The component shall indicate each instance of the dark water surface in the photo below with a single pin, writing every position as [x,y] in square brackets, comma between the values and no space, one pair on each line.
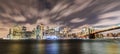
[59,47]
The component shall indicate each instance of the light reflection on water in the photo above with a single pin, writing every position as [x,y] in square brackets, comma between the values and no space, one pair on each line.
[113,48]
[15,48]
[52,48]
[60,47]
[94,48]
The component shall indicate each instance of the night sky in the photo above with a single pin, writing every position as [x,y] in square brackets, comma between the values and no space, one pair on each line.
[72,13]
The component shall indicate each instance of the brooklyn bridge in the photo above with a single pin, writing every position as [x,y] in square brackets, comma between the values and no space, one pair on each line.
[92,33]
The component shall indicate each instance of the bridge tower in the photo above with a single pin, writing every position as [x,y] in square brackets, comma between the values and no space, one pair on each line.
[88,30]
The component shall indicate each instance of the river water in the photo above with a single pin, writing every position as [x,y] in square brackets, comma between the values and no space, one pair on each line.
[59,47]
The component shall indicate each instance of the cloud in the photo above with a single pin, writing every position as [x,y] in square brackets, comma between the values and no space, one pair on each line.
[73,13]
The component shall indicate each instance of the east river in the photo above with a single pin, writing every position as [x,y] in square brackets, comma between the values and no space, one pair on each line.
[59,46]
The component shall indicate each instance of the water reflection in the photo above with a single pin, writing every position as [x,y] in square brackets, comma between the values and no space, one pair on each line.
[64,48]
[93,48]
[39,48]
[60,47]
[113,48]
[15,48]
[52,48]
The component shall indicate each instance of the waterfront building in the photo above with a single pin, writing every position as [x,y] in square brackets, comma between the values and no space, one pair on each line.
[41,31]
[66,31]
[37,31]
[57,30]
[15,32]
[19,32]
[46,31]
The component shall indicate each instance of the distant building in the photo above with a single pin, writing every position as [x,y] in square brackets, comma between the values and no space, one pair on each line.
[19,32]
